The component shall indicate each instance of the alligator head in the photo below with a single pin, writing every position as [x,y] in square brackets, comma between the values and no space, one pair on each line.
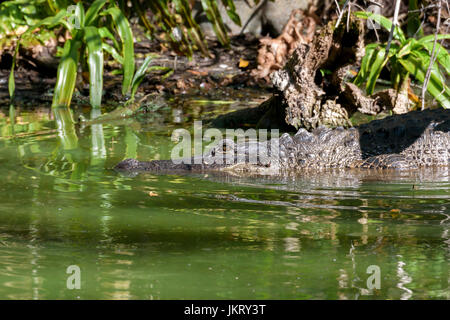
[226,155]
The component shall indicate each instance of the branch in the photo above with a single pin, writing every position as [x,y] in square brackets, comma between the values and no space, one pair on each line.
[433,56]
[394,24]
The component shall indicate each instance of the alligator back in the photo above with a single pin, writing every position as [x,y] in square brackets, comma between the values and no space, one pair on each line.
[421,137]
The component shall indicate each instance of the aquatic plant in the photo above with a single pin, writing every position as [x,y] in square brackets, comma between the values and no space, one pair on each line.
[88,35]
[406,56]
[104,27]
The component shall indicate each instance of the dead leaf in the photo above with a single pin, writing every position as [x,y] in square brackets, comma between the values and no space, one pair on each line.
[198,73]
[243,63]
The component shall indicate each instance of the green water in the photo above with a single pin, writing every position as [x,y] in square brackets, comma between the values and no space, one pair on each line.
[204,236]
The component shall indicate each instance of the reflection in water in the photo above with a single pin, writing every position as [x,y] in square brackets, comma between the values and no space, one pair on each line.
[66,128]
[205,236]
[404,279]
[98,148]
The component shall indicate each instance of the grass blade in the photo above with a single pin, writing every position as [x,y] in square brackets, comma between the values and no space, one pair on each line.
[105,33]
[11,81]
[194,31]
[126,35]
[141,13]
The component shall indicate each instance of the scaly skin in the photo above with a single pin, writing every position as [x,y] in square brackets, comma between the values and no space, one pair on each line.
[409,141]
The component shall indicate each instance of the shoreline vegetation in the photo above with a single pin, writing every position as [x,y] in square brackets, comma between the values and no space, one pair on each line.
[354,59]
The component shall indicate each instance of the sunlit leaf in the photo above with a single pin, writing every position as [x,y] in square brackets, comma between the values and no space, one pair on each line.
[365,64]
[126,35]
[140,74]
[376,65]
[67,73]
[113,52]
[383,21]
[415,65]
[431,37]
[443,57]
[92,12]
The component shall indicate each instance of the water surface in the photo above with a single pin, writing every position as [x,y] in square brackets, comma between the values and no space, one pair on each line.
[205,236]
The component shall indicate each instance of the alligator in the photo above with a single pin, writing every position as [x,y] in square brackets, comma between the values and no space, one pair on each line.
[408,141]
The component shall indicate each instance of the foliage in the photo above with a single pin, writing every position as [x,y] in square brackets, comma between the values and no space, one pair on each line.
[104,27]
[19,13]
[407,56]
[182,31]
[90,32]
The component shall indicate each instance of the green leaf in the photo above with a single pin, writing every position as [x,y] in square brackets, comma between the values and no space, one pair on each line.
[67,73]
[95,62]
[365,64]
[80,13]
[213,15]
[414,64]
[231,11]
[383,21]
[378,62]
[126,35]
[113,52]
[443,57]
[105,33]
[140,74]
[11,82]
[50,21]
[92,13]
[425,61]
[431,38]
[406,48]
